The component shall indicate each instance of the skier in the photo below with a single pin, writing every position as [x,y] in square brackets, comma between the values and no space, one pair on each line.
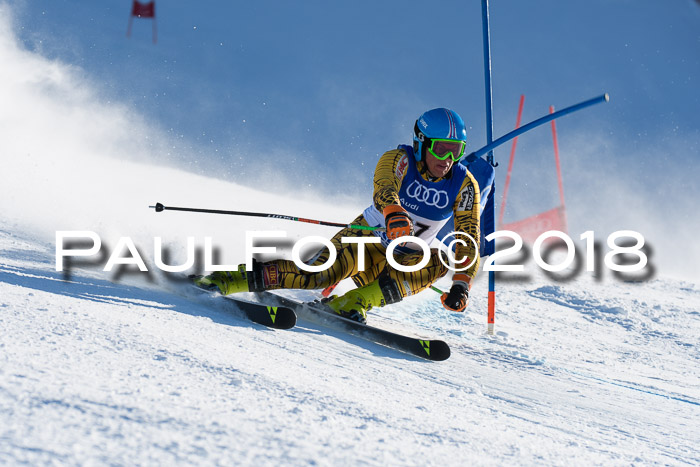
[417,190]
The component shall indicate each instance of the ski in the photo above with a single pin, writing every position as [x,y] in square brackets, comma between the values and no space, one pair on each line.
[430,349]
[277,317]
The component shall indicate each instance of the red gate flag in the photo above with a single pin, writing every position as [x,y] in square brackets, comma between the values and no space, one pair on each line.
[554,219]
[144,10]
[534,226]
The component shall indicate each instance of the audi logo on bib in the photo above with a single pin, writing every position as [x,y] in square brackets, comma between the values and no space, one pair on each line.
[428,196]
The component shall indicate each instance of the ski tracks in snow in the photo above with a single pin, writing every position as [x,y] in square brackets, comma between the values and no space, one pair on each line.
[95,371]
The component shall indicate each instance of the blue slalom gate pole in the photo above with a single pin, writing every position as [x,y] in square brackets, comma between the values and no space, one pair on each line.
[489,217]
[533,124]
[489,248]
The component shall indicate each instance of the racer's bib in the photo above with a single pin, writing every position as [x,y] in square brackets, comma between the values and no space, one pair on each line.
[430,204]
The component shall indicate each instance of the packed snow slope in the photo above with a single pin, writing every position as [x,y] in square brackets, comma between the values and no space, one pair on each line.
[116,368]
[125,367]
[119,368]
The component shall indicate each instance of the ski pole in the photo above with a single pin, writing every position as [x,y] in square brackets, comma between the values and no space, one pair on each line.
[160,208]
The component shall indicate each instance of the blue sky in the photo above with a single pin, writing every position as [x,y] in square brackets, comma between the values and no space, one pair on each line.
[312,92]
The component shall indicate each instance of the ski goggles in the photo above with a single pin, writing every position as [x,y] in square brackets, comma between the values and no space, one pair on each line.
[444,148]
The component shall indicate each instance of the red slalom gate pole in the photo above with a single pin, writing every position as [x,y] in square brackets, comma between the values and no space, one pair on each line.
[510,163]
[556,159]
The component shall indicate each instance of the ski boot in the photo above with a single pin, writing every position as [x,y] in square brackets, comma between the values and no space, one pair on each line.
[355,304]
[230,282]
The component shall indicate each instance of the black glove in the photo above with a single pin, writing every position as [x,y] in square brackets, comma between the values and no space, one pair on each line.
[456,299]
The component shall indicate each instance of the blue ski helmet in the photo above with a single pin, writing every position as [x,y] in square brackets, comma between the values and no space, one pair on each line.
[437,123]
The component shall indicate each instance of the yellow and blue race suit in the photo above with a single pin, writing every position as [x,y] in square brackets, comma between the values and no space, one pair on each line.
[431,203]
